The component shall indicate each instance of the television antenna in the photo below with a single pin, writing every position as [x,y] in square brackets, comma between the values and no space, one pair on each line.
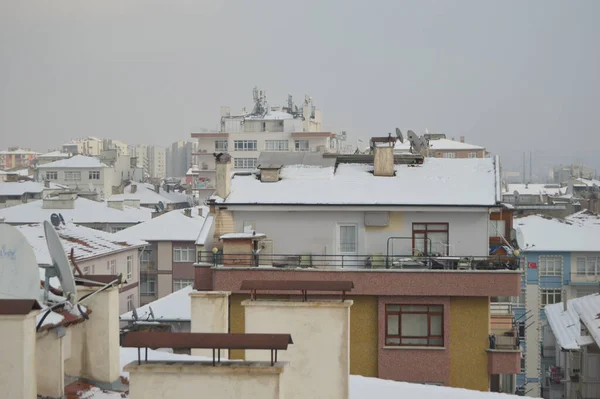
[399,135]
[19,272]
[60,266]
[415,141]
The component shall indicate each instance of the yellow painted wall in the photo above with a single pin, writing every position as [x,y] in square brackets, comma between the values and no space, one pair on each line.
[363,332]
[469,329]
[396,224]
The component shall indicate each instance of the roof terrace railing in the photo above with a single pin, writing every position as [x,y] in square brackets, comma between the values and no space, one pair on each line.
[214,341]
[361,262]
[296,285]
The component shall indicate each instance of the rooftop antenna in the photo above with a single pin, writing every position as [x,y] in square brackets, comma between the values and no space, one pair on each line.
[62,220]
[55,220]
[19,272]
[415,141]
[60,266]
[161,206]
[399,135]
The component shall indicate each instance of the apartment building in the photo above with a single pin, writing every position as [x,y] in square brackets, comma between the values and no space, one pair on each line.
[51,156]
[442,147]
[82,173]
[17,158]
[91,146]
[157,162]
[289,128]
[179,157]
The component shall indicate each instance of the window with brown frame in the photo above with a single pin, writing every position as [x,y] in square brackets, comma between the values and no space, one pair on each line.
[430,238]
[414,325]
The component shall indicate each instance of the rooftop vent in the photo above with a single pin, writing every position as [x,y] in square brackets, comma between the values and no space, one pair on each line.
[269,173]
[115,204]
[384,155]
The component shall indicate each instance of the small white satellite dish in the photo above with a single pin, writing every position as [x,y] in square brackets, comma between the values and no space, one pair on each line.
[19,272]
[60,265]
[415,141]
[399,135]
[517,196]
[151,313]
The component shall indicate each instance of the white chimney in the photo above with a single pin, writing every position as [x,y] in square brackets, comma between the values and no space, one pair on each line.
[223,174]
[115,204]
[133,188]
[462,139]
[384,160]
[132,202]
[64,200]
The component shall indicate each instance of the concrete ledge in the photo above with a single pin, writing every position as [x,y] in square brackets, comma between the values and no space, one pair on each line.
[504,361]
[297,304]
[197,293]
[206,367]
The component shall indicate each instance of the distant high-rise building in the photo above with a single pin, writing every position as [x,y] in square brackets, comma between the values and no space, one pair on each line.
[140,152]
[563,173]
[179,157]
[157,164]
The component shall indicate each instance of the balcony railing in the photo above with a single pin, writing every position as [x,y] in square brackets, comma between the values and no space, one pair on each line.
[147,266]
[375,261]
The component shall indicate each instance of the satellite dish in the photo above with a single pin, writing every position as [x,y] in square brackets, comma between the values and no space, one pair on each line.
[60,266]
[19,272]
[151,312]
[415,141]
[55,219]
[91,187]
[517,196]
[135,315]
[161,206]
[62,220]
[399,135]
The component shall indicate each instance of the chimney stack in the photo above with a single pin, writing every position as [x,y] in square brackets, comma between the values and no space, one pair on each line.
[157,188]
[462,139]
[118,204]
[384,159]
[187,212]
[223,174]
[565,300]
[133,188]
[47,183]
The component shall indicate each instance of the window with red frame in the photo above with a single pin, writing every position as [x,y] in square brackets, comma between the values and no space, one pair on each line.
[430,238]
[414,325]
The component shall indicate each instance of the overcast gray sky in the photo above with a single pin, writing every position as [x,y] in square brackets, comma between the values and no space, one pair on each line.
[510,75]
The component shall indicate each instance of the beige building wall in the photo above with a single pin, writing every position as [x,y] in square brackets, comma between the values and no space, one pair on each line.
[210,314]
[235,380]
[17,351]
[319,358]
[50,364]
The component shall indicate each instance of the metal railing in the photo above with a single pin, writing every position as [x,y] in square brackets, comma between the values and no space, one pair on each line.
[374,261]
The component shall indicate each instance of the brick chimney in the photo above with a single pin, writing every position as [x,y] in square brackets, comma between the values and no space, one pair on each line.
[223,172]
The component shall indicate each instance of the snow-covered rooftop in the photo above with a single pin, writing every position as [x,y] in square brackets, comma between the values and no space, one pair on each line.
[173,226]
[566,325]
[147,195]
[54,154]
[441,144]
[86,242]
[545,234]
[535,189]
[435,182]
[85,211]
[18,151]
[271,115]
[77,161]
[586,182]
[585,218]
[22,187]
[173,307]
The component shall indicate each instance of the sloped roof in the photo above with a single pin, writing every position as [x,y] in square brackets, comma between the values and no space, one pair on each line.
[55,154]
[585,218]
[545,234]
[453,182]
[76,162]
[441,144]
[86,243]
[173,307]
[22,187]
[85,211]
[566,325]
[147,195]
[535,189]
[305,158]
[172,226]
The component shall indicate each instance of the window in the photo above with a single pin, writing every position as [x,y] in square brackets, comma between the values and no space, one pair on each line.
[244,145]
[221,145]
[430,238]
[550,296]
[147,285]
[497,228]
[277,145]
[86,270]
[245,163]
[449,155]
[129,267]
[588,266]
[183,254]
[348,239]
[414,325]
[302,145]
[130,304]
[472,155]
[72,176]
[146,255]
[112,266]
[51,175]
[94,174]
[550,265]
[181,284]
[518,301]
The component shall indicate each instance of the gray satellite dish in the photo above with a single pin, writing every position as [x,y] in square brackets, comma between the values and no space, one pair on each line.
[19,272]
[161,206]
[415,141]
[399,135]
[60,266]
[134,314]
[517,196]
[55,220]
[62,220]
[151,312]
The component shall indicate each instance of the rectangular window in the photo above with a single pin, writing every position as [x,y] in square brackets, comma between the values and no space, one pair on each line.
[181,284]
[129,267]
[588,266]
[112,266]
[472,155]
[497,228]
[550,265]
[130,304]
[221,145]
[86,270]
[51,175]
[302,145]
[348,239]
[184,254]
[146,255]
[277,145]
[72,176]
[449,155]
[551,296]
[147,285]
[245,163]
[414,325]
[94,174]
[430,238]
[244,145]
